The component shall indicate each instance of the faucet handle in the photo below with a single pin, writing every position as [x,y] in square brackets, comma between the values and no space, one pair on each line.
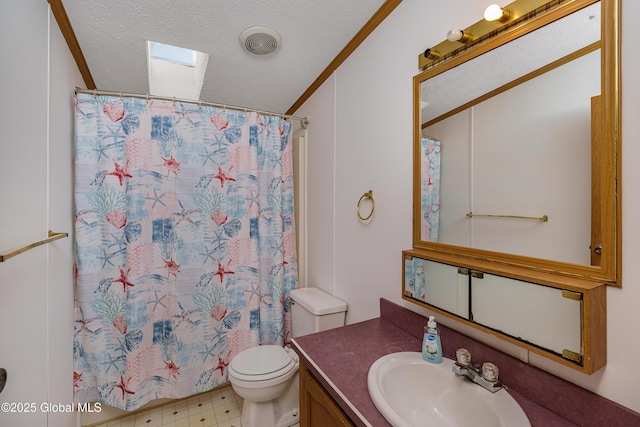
[463,356]
[490,372]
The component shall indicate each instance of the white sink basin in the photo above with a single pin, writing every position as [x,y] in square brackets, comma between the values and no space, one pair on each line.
[410,392]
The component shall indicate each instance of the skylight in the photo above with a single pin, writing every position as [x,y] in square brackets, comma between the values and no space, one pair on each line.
[175,71]
[175,54]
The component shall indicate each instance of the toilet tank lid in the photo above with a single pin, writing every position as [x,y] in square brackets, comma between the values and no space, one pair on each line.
[317,301]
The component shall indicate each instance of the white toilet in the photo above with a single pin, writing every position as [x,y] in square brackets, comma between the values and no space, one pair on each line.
[266,377]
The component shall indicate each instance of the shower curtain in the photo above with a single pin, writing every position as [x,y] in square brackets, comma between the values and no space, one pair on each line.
[185,245]
[430,189]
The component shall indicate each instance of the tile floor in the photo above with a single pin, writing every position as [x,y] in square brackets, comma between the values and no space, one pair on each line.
[218,408]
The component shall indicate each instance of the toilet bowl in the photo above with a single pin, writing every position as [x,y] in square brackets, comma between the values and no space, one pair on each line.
[266,377]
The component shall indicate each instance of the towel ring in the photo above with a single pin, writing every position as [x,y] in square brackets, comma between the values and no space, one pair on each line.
[367,195]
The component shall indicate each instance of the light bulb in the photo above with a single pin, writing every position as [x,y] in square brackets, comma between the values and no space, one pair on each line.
[492,12]
[495,13]
[460,36]
[454,35]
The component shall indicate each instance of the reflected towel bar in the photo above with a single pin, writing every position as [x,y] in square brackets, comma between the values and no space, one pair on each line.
[543,218]
[52,236]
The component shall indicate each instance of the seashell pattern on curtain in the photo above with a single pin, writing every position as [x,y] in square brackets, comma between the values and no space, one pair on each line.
[185,245]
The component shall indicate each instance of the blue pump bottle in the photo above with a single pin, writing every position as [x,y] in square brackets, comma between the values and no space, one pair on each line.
[431,345]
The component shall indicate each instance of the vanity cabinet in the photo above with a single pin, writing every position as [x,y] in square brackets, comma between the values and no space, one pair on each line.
[317,408]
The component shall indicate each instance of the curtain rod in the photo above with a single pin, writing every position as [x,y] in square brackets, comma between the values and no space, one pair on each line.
[303,120]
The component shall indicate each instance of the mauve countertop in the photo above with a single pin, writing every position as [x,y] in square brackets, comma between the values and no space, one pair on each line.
[344,356]
[340,359]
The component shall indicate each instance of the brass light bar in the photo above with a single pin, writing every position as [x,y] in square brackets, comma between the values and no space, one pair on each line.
[519,11]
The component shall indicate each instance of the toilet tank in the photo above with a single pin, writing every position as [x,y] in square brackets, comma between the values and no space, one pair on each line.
[314,310]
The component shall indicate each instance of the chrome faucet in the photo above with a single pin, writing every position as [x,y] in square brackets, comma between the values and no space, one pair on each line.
[485,376]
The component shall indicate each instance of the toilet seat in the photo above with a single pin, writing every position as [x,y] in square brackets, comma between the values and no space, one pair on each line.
[262,363]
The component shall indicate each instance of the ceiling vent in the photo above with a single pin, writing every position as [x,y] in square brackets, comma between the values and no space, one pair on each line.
[260,40]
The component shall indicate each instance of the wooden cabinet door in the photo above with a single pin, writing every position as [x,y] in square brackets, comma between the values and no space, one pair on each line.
[317,408]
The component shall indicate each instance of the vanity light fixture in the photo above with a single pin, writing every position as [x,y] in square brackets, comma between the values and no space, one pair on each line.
[460,36]
[495,13]
[431,54]
[497,21]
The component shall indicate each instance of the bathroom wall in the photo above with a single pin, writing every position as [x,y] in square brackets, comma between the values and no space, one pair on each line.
[37,79]
[363,116]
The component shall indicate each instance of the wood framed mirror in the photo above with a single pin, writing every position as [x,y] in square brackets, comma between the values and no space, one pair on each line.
[556,211]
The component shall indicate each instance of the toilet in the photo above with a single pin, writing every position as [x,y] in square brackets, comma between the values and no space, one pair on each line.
[266,376]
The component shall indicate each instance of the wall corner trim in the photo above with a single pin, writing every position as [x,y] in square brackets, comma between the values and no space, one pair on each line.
[67,31]
[377,18]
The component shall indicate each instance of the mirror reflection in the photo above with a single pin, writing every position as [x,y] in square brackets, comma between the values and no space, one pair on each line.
[535,162]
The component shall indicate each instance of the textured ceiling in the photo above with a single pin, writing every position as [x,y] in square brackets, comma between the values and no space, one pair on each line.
[113,35]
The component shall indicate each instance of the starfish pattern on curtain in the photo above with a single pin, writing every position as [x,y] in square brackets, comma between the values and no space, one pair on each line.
[185,245]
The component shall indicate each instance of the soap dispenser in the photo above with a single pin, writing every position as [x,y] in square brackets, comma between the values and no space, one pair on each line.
[431,345]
